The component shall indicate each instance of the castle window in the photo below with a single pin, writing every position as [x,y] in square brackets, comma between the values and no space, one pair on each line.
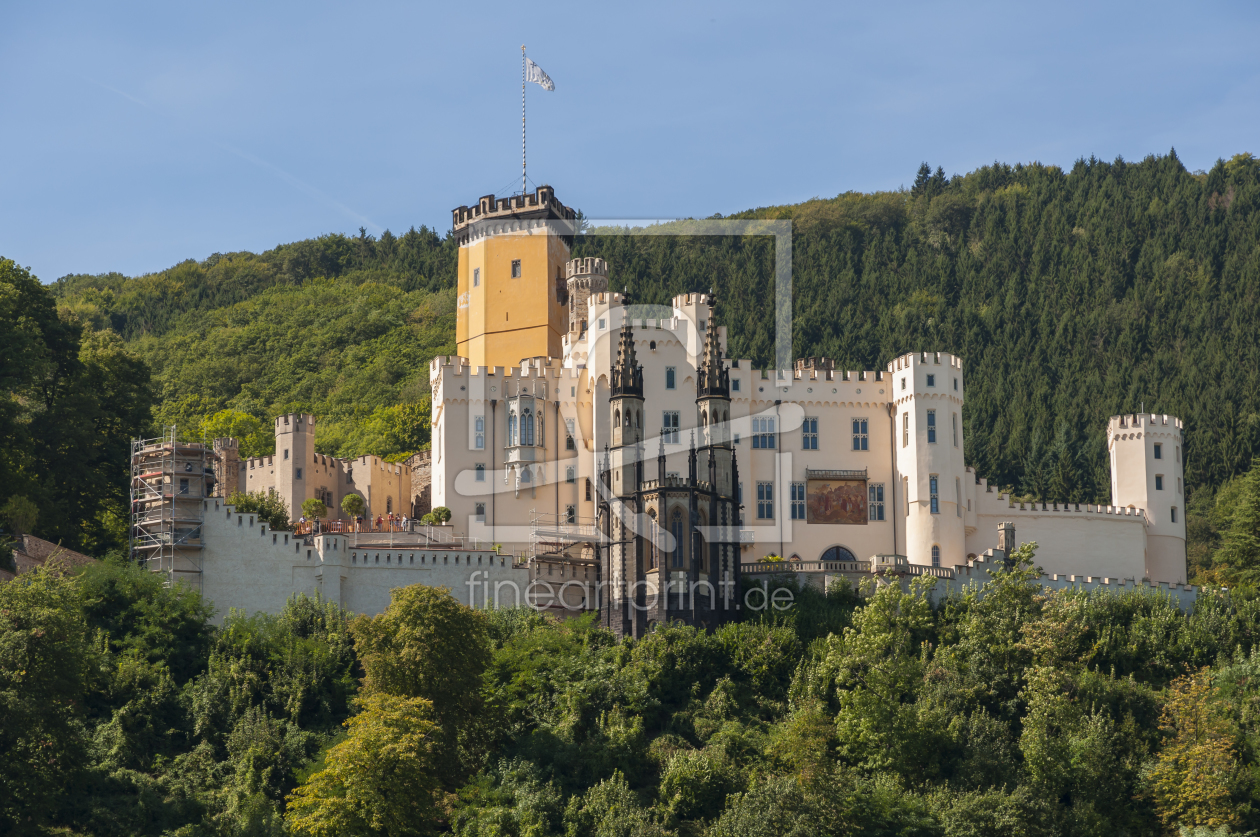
[936,555]
[1174,514]
[903,383]
[1159,482]
[1178,452]
[480,470]
[527,427]
[1159,451]
[905,492]
[286,453]
[931,380]
[955,429]
[479,429]
[569,475]
[875,500]
[516,268]
[1178,485]
[861,440]
[476,277]
[905,429]
[588,490]
[934,494]
[570,514]
[763,433]
[677,527]
[183,486]
[616,418]
[737,438]
[568,439]
[670,375]
[511,429]
[958,494]
[297,473]
[602,323]
[526,476]
[809,434]
[931,426]
[765,501]
[955,385]
[652,345]
[671,428]
[479,511]
[735,385]
[798,500]
[704,325]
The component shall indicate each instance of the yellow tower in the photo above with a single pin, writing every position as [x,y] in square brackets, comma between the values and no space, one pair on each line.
[513,294]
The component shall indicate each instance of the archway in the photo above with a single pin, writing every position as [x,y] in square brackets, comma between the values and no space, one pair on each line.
[837,553]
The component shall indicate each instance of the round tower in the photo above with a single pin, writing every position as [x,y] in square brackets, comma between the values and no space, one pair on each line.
[928,399]
[585,277]
[1147,472]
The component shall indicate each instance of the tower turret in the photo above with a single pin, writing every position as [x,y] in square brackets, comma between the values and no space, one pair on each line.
[625,401]
[1148,472]
[295,452]
[585,277]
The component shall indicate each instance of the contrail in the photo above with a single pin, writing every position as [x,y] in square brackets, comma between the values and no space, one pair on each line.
[287,177]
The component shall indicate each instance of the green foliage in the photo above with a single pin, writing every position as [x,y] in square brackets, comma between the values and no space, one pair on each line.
[21,514]
[256,437]
[353,505]
[441,514]
[269,507]
[314,509]
[70,400]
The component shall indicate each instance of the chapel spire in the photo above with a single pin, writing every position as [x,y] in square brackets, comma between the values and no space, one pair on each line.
[627,374]
[713,377]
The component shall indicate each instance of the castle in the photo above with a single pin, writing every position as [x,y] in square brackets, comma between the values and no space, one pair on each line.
[618,447]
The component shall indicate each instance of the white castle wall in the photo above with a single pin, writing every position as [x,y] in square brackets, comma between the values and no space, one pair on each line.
[248,567]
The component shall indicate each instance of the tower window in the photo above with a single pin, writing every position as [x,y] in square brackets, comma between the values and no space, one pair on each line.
[183,486]
[480,471]
[931,380]
[568,429]
[286,453]
[1159,482]
[476,277]
[602,323]
[955,417]
[903,383]
[297,473]
[516,268]
[798,500]
[480,512]
[875,500]
[809,434]
[735,385]
[934,494]
[670,376]
[936,555]
[861,439]
[955,385]
[1159,451]
[1174,514]
[569,476]
[765,501]
[479,430]
[905,429]
[511,440]
[570,514]
[671,428]
[763,433]
[931,426]
[958,495]
[588,491]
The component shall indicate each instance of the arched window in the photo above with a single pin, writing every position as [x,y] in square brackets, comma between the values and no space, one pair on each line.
[389,505]
[511,429]
[654,532]
[527,427]
[652,345]
[936,555]
[837,553]
[616,418]
[677,527]
[525,474]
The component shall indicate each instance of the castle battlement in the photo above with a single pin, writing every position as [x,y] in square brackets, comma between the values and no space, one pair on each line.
[913,359]
[455,366]
[589,266]
[541,204]
[1139,422]
[289,421]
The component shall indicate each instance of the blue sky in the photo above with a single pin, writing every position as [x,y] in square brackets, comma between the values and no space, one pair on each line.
[138,135]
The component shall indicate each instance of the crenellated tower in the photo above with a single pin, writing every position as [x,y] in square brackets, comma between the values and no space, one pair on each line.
[720,564]
[1148,472]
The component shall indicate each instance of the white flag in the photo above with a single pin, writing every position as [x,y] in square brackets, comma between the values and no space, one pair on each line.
[535,74]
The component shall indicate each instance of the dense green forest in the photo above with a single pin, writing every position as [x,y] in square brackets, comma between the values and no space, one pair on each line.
[1071,295]
[1014,713]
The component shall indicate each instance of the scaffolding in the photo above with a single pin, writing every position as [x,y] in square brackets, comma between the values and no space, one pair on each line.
[557,533]
[169,482]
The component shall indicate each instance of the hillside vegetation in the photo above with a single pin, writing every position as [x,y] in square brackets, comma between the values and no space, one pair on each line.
[1071,296]
[1013,713]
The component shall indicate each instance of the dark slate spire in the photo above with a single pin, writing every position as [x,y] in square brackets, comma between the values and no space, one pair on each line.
[627,374]
[713,377]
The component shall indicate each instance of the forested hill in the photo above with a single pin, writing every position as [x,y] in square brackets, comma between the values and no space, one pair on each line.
[1071,295]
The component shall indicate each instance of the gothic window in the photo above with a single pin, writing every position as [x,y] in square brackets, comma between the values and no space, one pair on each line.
[480,512]
[837,553]
[570,514]
[569,475]
[931,426]
[934,494]
[936,555]
[511,429]
[670,376]
[568,429]
[526,476]
[931,380]
[389,505]
[765,501]
[588,490]
[905,429]
[671,428]
[809,434]
[677,527]
[479,429]
[861,436]
[875,500]
[955,429]
[735,385]
[527,427]
[763,433]
[798,501]
[480,470]
[616,418]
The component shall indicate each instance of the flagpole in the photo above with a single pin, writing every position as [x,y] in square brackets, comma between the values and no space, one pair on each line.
[523,189]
